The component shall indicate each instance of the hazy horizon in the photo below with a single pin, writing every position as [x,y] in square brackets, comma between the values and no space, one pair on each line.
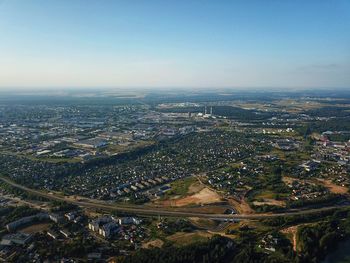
[183,44]
[138,92]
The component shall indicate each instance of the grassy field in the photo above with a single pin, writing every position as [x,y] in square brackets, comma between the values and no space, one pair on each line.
[183,239]
[268,197]
[180,187]
[46,159]
[266,194]
[117,148]
[204,223]
[56,160]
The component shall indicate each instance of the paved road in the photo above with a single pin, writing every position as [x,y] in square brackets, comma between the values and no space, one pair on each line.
[143,210]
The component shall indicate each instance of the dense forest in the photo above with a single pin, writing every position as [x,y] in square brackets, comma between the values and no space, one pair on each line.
[318,239]
[315,240]
[216,250]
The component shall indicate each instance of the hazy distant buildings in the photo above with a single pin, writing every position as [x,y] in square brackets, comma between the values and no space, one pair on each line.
[93,143]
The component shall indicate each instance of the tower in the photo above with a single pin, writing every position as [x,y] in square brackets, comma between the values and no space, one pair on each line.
[211,110]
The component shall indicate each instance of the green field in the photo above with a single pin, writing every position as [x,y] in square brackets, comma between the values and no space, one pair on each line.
[180,187]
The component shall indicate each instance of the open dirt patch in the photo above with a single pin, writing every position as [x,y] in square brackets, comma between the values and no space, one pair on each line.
[204,196]
[241,206]
[268,198]
[332,187]
[268,201]
[154,243]
[195,188]
[337,189]
[291,232]
[36,228]
[289,180]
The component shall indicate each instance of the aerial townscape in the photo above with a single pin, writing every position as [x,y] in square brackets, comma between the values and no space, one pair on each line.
[184,131]
[129,178]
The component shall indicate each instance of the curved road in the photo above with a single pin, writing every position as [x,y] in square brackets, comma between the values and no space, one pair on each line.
[143,210]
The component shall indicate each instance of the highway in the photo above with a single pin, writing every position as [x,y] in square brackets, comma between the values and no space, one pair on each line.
[144,210]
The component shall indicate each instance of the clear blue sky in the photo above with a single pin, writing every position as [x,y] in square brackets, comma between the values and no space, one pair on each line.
[175,43]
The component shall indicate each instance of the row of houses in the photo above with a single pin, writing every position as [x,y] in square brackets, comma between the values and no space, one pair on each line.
[140,185]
